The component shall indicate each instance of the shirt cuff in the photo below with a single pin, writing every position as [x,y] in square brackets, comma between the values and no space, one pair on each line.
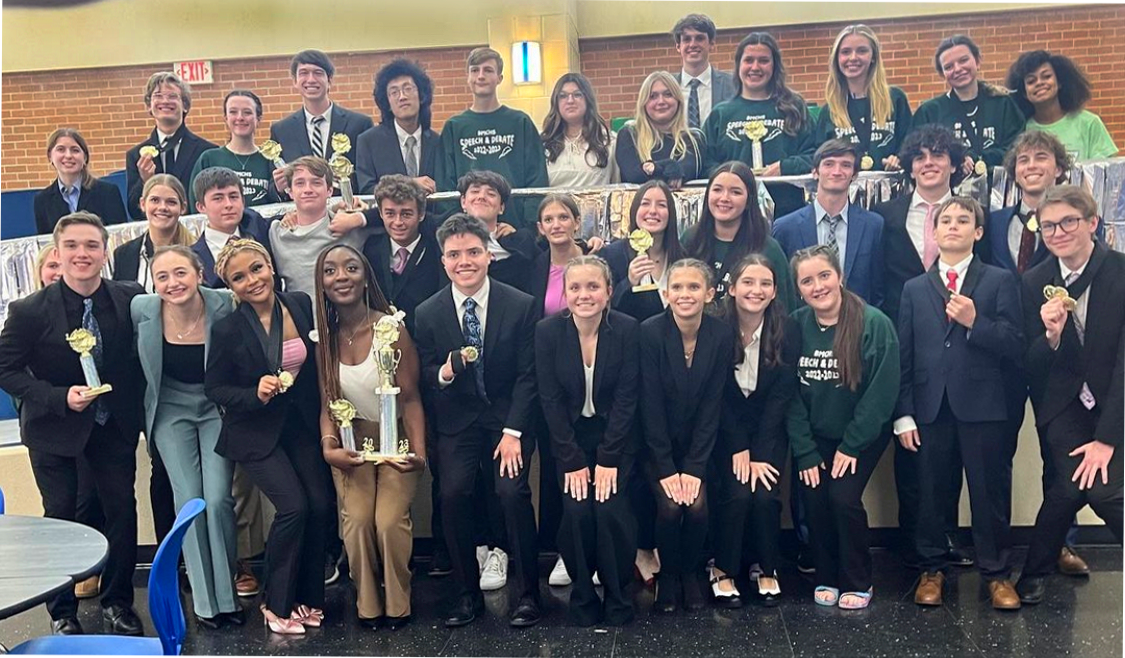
[441,381]
[904,425]
[515,433]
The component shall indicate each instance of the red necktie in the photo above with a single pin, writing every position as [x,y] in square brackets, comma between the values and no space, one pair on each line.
[951,279]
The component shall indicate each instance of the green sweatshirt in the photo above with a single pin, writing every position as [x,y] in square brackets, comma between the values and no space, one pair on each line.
[995,117]
[506,142]
[886,138]
[826,409]
[724,132]
[255,171]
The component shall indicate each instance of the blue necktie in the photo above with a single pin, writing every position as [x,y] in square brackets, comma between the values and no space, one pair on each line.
[470,327]
[90,323]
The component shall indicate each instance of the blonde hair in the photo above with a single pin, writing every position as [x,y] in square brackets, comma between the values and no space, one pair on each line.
[648,138]
[878,90]
[40,260]
[235,247]
[183,236]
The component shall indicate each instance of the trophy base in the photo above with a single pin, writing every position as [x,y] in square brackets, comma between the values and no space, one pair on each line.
[377,458]
[646,287]
[95,392]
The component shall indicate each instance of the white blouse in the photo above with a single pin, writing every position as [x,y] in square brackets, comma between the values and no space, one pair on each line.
[576,165]
[588,406]
[746,373]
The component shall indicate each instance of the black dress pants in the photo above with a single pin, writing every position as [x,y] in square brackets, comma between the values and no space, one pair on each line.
[550,488]
[745,519]
[161,497]
[906,487]
[680,530]
[88,510]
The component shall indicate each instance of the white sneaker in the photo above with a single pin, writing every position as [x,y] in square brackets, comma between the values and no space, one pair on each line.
[559,577]
[597,581]
[495,574]
[482,556]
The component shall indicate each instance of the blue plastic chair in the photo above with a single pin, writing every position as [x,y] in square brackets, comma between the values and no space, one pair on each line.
[1,501]
[163,604]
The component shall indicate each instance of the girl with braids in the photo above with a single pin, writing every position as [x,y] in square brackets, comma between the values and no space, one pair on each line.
[862,108]
[764,100]
[374,498]
[848,378]
[260,370]
[752,446]
[657,143]
[579,144]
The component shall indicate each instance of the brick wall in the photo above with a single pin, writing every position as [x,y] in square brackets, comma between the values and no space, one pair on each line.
[106,104]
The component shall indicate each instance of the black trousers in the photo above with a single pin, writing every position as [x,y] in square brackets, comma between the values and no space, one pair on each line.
[680,530]
[642,504]
[488,529]
[838,520]
[550,488]
[113,469]
[745,519]
[981,447]
[293,478]
[88,509]
[160,494]
[1062,499]
[462,460]
[906,487]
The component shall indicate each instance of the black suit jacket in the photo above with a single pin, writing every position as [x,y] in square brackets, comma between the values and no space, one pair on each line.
[900,259]
[681,406]
[253,225]
[191,147]
[562,388]
[943,360]
[640,305]
[424,274]
[127,259]
[1056,376]
[236,363]
[378,154]
[102,198]
[290,132]
[508,358]
[39,367]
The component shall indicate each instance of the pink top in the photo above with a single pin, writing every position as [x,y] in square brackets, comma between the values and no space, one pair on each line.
[555,299]
[293,355]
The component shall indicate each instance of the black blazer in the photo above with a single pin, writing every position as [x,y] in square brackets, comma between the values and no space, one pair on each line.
[291,133]
[757,423]
[540,275]
[680,406]
[127,259]
[377,154]
[39,367]
[236,363]
[424,274]
[900,259]
[942,360]
[640,305]
[1056,376]
[508,358]
[191,147]
[102,198]
[562,388]
[253,225]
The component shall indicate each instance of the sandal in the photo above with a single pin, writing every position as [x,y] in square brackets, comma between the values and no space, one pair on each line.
[281,625]
[826,590]
[864,600]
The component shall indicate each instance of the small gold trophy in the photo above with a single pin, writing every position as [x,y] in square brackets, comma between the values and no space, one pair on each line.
[343,412]
[386,333]
[866,162]
[980,168]
[82,341]
[756,131]
[1033,223]
[149,150]
[641,241]
[285,378]
[272,152]
[342,168]
[1059,292]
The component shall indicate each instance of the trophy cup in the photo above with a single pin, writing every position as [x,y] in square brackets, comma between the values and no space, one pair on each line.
[82,341]
[285,379]
[641,241]
[386,360]
[342,168]
[272,152]
[756,131]
[343,412]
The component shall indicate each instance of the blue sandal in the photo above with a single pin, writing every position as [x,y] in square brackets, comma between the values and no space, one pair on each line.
[825,602]
[864,600]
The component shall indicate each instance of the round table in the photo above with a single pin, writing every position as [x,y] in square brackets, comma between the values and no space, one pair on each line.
[41,557]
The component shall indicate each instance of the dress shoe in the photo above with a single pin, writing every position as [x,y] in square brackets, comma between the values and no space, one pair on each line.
[245,584]
[440,565]
[526,614]
[1004,595]
[89,588]
[372,623]
[237,618]
[667,590]
[395,623]
[693,596]
[1031,589]
[805,562]
[958,557]
[122,620]
[1070,564]
[67,626]
[929,589]
[211,623]
[464,611]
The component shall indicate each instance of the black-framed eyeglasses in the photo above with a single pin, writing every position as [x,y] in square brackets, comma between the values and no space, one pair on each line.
[1068,224]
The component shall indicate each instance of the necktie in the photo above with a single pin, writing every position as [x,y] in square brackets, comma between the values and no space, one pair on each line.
[168,154]
[90,323]
[929,242]
[951,280]
[833,221]
[693,103]
[1070,279]
[411,160]
[318,136]
[1027,246]
[470,327]
[399,264]
[70,195]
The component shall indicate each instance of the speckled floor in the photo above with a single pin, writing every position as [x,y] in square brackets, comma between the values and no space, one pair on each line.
[1082,617]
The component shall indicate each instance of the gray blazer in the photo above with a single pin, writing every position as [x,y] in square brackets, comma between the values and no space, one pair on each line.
[722,88]
[149,327]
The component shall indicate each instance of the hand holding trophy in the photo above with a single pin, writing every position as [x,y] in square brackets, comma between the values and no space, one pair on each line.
[343,412]
[756,131]
[83,342]
[641,241]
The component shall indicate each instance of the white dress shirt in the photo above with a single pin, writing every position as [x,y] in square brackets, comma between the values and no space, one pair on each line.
[417,135]
[409,249]
[916,220]
[216,240]
[703,92]
[746,373]
[841,230]
[1083,300]
[160,139]
[325,131]
[588,405]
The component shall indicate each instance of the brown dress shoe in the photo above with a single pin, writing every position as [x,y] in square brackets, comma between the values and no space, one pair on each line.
[1004,596]
[1072,565]
[245,584]
[929,589]
[89,588]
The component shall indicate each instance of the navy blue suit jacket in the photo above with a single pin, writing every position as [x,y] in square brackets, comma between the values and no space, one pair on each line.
[863,258]
[996,238]
[941,358]
[252,225]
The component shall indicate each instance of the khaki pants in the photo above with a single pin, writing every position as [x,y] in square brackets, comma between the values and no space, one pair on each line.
[378,535]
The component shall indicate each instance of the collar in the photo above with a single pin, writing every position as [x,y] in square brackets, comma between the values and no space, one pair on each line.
[162,136]
[1024,210]
[327,113]
[1066,271]
[481,296]
[216,239]
[409,248]
[756,337]
[68,189]
[67,291]
[821,212]
[402,135]
[704,78]
[960,268]
[916,199]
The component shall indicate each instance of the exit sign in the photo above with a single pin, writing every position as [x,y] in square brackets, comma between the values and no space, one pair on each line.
[195,72]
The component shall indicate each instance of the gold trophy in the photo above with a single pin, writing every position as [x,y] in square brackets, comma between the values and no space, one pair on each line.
[1033,223]
[343,412]
[386,360]
[641,241]
[82,341]
[342,168]
[272,152]
[149,150]
[1059,292]
[756,131]
[285,378]
[866,162]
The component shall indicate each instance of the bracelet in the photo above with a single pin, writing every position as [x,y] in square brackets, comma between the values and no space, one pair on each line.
[335,439]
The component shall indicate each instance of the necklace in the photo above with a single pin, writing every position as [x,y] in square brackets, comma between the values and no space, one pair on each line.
[820,326]
[241,161]
[366,323]
[186,332]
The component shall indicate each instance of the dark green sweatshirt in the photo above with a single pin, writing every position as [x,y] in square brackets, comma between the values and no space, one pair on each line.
[886,138]
[826,409]
[505,141]
[254,170]
[996,117]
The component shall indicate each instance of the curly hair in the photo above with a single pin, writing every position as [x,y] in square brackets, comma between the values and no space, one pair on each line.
[1038,139]
[397,69]
[936,139]
[1074,86]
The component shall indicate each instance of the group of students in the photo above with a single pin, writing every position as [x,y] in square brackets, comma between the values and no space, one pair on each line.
[700,386]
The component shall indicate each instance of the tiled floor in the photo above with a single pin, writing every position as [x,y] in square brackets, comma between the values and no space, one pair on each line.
[1082,617]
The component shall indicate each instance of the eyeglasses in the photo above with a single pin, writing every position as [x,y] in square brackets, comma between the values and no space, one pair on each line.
[1068,224]
[403,91]
[158,96]
[572,96]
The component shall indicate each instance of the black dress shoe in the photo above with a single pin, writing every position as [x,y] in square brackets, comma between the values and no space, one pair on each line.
[464,612]
[122,620]
[958,557]
[667,590]
[526,614]
[212,623]
[1031,589]
[693,596]
[67,626]
[238,617]
[395,623]
[440,565]
[372,623]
